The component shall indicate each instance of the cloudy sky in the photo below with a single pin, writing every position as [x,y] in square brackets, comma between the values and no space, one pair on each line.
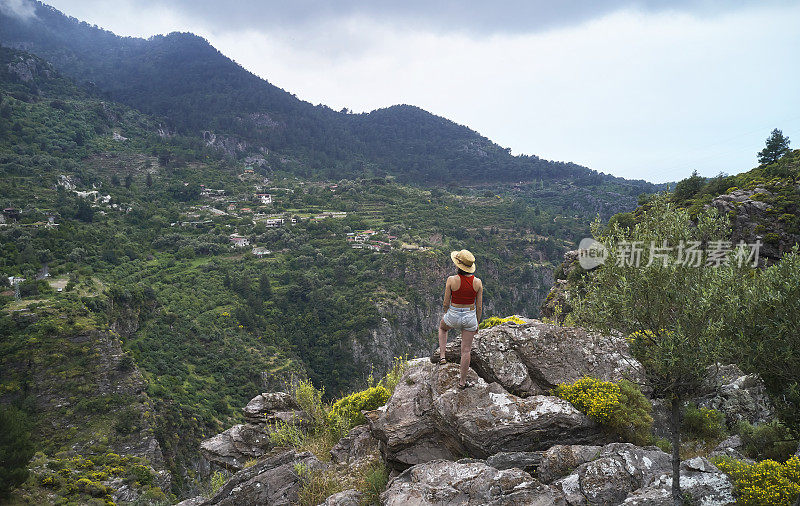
[631,88]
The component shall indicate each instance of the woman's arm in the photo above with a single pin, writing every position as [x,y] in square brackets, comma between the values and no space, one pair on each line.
[479,302]
[446,302]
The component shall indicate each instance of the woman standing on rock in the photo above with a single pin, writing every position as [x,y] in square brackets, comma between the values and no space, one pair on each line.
[463,301]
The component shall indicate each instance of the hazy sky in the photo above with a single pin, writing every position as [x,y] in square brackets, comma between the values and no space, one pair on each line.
[627,87]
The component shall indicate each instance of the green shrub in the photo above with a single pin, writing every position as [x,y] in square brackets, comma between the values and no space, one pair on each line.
[127,421]
[140,474]
[764,483]
[349,408]
[91,488]
[310,400]
[703,423]
[771,440]
[217,480]
[374,483]
[663,444]
[286,434]
[621,407]
[494,320]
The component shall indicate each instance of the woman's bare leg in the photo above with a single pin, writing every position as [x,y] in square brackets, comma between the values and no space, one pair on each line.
[442,338]
[466,351]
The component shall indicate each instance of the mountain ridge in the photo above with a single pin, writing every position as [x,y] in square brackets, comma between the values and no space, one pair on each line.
[182,78]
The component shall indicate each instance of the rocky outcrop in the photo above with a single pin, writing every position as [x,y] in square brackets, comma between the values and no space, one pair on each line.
[356,447]
[429,418]
[467,482]
[534,357]
[618,470]
[624,473]
[700,479]
[737,395]
[730,447]
[753,218]
[275,481]
[272,407]
[556,304]
[232,448]
[740,396]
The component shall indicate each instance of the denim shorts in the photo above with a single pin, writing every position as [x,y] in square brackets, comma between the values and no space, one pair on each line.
[461,318]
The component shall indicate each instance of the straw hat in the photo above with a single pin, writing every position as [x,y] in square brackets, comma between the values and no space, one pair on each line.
[464,260]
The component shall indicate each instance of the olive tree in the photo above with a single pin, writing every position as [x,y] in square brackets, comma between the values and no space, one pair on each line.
[663,285]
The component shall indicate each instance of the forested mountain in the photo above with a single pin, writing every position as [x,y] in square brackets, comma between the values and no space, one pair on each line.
[193,88]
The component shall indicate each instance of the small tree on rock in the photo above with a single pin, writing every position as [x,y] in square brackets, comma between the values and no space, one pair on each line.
[777,146]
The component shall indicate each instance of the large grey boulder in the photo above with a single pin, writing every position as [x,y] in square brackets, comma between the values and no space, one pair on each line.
[357,447]
[532,358]
[740,396]
[229,450]
[730,447]
[618,470]
[699,478]
[428,418]
[274,481]
[232,448]
[272,407]
[560,460]
[467,482]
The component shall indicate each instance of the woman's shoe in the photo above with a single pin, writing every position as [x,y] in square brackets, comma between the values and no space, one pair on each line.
[442,361]
[466,384]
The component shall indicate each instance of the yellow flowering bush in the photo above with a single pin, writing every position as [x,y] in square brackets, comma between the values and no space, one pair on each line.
[763,483]
[621,407]
[595,398]
[350,407]
[494,320]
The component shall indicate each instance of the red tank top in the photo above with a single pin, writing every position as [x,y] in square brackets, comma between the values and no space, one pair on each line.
[465,293]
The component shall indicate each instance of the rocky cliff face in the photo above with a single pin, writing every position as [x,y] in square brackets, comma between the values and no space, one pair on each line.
[760,214]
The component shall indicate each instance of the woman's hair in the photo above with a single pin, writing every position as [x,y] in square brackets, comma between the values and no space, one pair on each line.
[463,272]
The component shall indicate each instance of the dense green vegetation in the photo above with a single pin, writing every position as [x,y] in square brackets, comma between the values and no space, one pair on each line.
[16,449]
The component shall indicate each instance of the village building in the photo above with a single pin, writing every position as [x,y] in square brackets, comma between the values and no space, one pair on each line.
[239,241]
[264,198]
[260,251]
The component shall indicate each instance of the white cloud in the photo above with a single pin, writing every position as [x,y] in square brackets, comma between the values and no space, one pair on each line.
[19,8]
[635,93]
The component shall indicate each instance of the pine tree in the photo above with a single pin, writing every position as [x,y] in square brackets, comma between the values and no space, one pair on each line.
[777,146]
